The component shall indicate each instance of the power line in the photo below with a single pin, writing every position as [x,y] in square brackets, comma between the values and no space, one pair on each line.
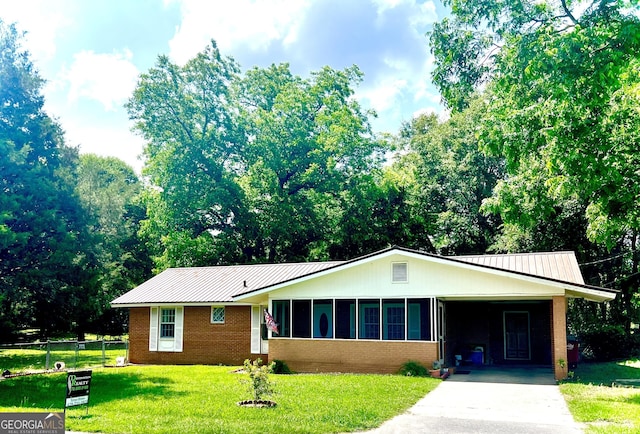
[610,258]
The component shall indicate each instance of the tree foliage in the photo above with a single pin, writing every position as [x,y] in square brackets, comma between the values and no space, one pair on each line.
[47,270]
[109,191]
[560,84]
[192,147]
[248,168]
[453,177]
[306,141]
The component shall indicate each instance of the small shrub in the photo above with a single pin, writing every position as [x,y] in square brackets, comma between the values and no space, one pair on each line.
[280,367]
[413,369]
[259,384]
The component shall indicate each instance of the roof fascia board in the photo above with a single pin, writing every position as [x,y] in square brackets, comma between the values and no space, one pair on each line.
[190,304]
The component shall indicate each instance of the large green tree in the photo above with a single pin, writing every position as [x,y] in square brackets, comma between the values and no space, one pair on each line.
[187,117]
[560,82]
[453,177]
[110,193]
[248,168]
[307,140]
[47,270]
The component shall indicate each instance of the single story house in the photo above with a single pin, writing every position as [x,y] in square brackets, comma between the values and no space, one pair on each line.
[369,314]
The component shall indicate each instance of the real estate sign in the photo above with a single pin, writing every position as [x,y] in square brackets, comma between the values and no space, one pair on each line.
[78,386]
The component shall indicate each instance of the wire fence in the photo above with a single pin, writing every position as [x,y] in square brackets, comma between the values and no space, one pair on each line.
[60,355]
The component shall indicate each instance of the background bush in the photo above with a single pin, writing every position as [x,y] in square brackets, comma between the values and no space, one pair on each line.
[608,342]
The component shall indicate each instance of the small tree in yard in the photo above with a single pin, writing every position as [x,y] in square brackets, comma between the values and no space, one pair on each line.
[259,383]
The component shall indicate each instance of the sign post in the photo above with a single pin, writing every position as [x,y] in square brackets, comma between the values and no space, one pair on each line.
[78,387]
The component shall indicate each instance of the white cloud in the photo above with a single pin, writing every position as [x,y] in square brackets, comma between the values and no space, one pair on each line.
[42,28]
[105,141]
[425,14]
[107,78]
[255,24]
[383,95]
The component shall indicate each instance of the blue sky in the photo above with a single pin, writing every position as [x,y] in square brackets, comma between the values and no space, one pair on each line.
[92,51]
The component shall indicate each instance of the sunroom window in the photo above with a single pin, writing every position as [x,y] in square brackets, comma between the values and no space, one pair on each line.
[322,319]
[369,312]
[393,320]
[345,319]
[281,317]
[301,318]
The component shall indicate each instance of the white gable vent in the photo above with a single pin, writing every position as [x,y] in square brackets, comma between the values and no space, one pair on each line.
[399,272]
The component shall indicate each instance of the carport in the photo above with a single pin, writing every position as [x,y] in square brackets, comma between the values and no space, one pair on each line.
[514,312]
[499,333]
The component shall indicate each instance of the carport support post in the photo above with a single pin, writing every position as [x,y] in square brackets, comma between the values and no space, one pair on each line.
[559,324]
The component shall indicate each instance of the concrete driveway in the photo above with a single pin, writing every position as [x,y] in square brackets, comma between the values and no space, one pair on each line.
[489,400]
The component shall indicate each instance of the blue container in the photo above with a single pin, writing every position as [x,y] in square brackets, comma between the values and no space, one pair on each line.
[476,358]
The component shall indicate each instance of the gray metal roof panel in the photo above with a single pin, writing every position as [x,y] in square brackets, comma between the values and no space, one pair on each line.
[214,284]
[553,265]
[220,284]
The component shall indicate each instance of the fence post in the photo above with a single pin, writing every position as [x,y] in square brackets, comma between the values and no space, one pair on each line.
[48,358]
[104,355]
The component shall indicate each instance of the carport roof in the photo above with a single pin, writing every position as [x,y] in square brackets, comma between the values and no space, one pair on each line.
[554,265]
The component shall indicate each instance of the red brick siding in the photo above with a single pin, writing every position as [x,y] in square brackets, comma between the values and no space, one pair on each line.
[305,355]
[559,336]
[204,343]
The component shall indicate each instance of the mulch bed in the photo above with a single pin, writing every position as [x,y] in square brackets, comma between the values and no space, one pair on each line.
[257,403]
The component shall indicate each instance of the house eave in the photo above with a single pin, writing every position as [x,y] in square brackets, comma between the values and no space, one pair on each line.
[560,288]
[179,303]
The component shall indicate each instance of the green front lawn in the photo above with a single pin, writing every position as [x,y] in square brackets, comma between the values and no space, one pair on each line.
[598,399]
[22,360]
[202,399]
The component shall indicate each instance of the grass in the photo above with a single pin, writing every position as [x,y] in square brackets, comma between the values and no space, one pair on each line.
[202,399]
[20,360]
[598,400]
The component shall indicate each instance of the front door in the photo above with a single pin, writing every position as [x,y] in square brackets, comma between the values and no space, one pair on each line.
[517,343]
[259,334]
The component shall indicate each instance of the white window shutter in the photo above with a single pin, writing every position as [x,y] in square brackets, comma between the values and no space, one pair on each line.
[255,329]
[177,343]
[153,330]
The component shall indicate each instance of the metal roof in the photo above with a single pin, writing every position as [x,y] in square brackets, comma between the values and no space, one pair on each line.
[552,265]
[214,284]
[219,284]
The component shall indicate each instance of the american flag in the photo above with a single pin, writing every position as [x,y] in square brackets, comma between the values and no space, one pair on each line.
[271,323]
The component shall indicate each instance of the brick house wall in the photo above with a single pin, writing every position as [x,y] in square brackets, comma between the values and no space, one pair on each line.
[203,342]
[385,357]
[559,336]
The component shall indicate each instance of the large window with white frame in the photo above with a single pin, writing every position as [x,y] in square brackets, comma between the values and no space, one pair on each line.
[166,328]
[167,323]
